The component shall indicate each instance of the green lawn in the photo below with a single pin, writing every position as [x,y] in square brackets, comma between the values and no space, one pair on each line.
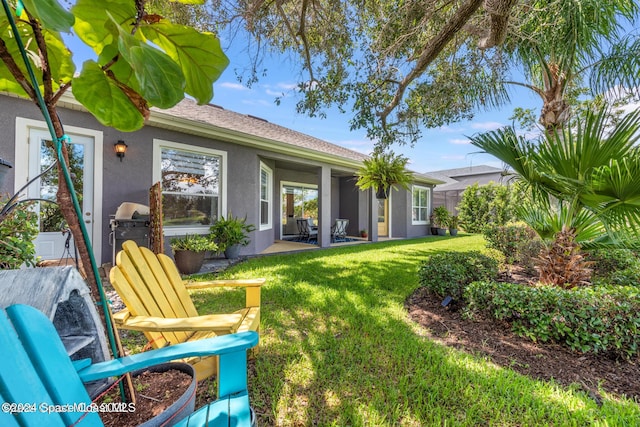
[337,349]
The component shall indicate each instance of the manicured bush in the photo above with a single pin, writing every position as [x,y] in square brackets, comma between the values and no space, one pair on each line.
[449,273]
[518,242]
[614,266]
[594,319]
[490,204]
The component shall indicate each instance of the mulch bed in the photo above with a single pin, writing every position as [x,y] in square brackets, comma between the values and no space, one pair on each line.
[542,361]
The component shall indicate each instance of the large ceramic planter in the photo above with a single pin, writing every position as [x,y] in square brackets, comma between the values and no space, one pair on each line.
[189,262]
[232,252]
[453,231]
[181,408]
[442,231]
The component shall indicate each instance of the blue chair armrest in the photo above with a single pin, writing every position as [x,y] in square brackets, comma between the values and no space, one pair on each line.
[223,345]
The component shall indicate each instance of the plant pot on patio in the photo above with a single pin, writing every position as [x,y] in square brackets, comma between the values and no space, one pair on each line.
[189,262]
[232,252]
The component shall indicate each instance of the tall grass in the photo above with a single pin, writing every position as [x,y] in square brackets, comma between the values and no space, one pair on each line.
[337,349]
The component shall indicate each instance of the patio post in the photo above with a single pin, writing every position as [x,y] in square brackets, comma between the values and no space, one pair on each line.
[324,207]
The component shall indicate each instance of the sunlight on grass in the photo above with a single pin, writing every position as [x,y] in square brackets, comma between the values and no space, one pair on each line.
[337,349]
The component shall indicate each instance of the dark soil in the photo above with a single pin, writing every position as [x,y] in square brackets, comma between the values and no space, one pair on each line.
[542,361]
[155,392]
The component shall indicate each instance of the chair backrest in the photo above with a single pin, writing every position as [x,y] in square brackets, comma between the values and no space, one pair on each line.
[150,285]
[303,225]
[340,227]
[36,370]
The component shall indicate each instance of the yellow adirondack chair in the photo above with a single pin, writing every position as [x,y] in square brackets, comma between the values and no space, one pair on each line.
[158,303]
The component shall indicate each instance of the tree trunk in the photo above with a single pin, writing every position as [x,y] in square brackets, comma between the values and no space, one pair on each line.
[65,203]
[555,110]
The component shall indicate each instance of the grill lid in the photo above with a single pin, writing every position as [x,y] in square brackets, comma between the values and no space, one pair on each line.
[130,210]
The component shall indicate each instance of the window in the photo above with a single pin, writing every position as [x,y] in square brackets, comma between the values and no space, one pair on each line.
[266,195]
[192,181]
[420,211]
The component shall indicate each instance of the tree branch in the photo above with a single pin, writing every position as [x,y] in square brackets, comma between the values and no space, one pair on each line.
[431,51]
[44,57]
[15,71]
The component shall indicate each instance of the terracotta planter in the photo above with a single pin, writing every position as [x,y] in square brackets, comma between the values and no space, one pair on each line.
[189,262]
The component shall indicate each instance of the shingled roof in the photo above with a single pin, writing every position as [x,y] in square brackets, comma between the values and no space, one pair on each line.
[219,117]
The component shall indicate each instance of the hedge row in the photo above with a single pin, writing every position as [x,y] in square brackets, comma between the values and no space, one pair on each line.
[594,319]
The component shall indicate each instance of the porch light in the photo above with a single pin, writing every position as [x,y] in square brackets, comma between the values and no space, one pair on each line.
[120,148]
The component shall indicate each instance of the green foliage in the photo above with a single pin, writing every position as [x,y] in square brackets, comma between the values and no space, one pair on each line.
[441,217]
[518,243]
[231,231]
[486,205]
[614,266]
[18,229]
[595,319]
[384,170]
[142,60]
[583,178]
[193,242]
[453,221]
[449,273]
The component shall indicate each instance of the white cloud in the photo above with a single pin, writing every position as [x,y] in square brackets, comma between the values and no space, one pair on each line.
[459,141]
[233,86]
[486,125]
[274,93]
[449,129]
[257,102]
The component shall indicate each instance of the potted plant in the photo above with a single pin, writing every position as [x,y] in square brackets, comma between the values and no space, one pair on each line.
[363,233]
[189,252]
[383,171]
[434,226]
[453,225]
[230,234]
[441,219]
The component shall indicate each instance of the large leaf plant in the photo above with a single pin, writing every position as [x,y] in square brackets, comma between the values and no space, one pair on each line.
[141,60]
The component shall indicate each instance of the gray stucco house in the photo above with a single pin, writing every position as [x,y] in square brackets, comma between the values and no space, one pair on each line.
[210,161]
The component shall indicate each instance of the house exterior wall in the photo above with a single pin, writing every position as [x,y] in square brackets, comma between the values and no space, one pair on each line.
[129,180]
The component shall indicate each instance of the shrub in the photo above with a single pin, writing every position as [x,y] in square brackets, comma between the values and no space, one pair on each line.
[18,229]
[449,273]
[614,266]
[595,319]
[491,204]
[518,242]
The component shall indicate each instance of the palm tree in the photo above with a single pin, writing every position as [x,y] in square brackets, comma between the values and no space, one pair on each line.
[563,45]
[584,180]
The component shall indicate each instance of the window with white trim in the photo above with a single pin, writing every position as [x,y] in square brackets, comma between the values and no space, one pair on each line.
[266,196]
[192,181]
[420,205]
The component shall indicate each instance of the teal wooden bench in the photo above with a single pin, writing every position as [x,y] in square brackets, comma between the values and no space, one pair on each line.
[36,374]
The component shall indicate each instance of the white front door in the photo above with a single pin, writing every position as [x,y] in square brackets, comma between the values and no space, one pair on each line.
[53,241]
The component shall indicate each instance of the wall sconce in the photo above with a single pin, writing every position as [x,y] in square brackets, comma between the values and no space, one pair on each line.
[120,148]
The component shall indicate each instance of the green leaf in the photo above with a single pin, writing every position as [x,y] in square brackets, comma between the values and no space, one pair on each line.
[199,55]
[92,17]
[60,61]
[160,79]
[105,100]
[50,14]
